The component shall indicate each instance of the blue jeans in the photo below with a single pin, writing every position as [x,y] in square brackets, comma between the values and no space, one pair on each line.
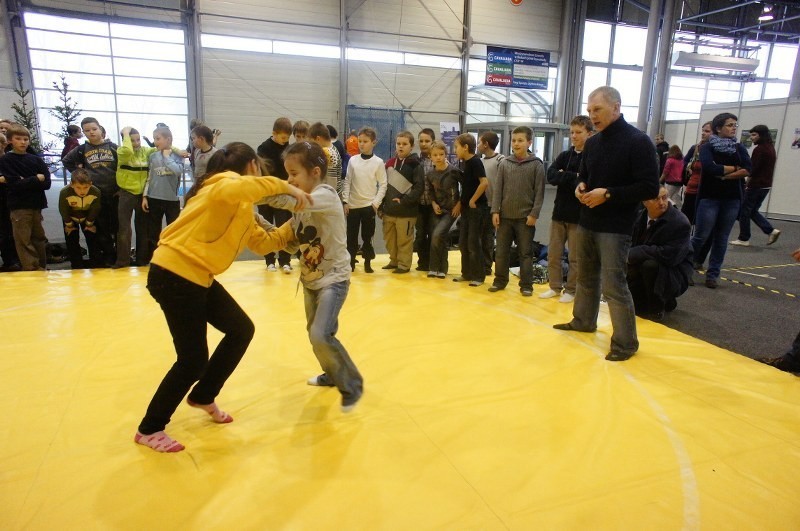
[518,231]
[714,220]
[322,316]
[439,229]
[603,259]
[752,202]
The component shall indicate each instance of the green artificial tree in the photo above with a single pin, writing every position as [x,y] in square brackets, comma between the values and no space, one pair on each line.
[25,115]
[67,111]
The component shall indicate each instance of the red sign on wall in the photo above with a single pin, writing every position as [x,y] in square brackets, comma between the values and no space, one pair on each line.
[516,2]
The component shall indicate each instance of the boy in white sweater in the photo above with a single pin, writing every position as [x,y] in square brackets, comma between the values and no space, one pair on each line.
[364,188]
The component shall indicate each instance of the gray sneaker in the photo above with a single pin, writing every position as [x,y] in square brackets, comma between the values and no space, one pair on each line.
[773,236]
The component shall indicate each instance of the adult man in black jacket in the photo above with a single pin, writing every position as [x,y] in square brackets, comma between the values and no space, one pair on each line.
[660,259]
[619,169]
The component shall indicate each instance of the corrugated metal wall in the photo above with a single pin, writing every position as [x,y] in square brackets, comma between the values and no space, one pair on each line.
[243,92]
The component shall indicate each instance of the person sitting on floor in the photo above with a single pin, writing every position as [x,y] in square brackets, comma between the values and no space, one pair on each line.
[660,258]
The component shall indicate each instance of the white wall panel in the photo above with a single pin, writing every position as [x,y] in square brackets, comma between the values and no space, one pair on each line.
[400,86]
[434,18]
[316,12]
[245,92]
[145,12]
[783,115]
[532,25]
[268,30]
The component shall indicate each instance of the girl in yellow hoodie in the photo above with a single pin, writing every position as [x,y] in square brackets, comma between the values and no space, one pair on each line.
[213,228]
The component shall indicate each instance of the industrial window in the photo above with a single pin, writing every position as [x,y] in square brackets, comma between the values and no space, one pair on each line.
[121,74]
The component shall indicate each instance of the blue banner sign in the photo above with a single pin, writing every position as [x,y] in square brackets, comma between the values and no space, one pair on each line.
[526,69]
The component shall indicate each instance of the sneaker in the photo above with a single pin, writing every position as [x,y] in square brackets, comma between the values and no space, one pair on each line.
[741,243]
[549,294]
[697,266]
[526,292]
[711,283]
[494,289]
[399,271]
[323,380]
[431,274]
[389,266]
[566,297]
[287,269]
[348,404]
[271,268]
[773,236]
[460,279]
[475,283]
[441,275]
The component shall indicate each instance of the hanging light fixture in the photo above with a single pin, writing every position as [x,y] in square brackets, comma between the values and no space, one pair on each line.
[766,13]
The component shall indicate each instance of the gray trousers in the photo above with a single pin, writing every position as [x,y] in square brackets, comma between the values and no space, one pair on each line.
[29,238]
[562,232]
[603,259]
[131,204]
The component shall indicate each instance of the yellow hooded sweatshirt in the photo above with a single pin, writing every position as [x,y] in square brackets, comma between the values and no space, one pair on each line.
[217,224]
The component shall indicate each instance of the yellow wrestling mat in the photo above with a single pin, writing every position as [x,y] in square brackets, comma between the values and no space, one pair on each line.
[477,415]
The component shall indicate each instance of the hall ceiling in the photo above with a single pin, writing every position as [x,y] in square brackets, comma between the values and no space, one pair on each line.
[728,18]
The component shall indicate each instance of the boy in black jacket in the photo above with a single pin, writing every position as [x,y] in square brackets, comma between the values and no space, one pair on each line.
[405,182]
[27,178]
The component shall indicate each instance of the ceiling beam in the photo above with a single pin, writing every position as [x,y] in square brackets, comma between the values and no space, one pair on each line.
[734,6]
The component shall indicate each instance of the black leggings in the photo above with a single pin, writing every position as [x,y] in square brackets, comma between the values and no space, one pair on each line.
[188,308]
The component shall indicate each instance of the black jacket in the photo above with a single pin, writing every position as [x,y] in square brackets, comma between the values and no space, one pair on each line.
[24,189]
[668,243]
[410,170]
[567,208]
[623,160]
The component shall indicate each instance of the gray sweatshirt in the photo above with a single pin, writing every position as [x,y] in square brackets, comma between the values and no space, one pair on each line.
[518,191]
[164,176]
[99,161]
[321,233]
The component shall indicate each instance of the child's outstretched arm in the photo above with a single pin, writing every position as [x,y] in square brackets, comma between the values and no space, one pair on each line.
[254,189]
[322,199]
[268,241]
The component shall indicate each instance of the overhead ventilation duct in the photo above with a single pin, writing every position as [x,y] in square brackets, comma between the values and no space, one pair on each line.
[718,62]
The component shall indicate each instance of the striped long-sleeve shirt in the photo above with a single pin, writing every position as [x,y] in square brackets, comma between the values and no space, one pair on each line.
[519,188]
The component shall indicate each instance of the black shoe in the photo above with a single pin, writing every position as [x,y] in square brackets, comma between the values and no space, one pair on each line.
[367,267]
[526,292]
[711,283]
[786,363]
[570,328]
[657,316]
[670,305]
[697,266]
[493,288]
[423,268]
[460,279]
[389,266]
[616,355]
[399,271]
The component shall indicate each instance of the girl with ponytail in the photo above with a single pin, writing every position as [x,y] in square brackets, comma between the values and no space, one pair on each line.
[213,228]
